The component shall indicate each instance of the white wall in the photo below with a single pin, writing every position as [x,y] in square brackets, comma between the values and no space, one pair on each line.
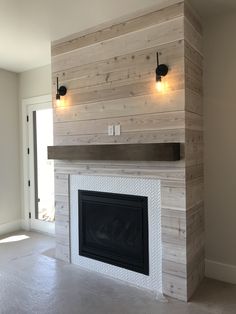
[35,82]
[220,146]
[13,88]
[9,152]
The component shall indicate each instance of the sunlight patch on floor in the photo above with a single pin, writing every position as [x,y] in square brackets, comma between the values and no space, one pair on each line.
[14,239]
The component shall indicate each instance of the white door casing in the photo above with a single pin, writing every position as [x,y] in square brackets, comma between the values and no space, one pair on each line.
[28,190]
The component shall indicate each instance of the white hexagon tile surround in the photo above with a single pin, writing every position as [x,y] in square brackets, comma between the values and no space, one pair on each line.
[122,185]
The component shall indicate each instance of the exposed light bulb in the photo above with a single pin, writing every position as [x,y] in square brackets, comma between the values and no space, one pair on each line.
[161,71]
[61,91]
[159,85]
[58,99]
[58,102]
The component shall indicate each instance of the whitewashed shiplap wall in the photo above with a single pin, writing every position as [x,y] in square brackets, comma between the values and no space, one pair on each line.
[110,78]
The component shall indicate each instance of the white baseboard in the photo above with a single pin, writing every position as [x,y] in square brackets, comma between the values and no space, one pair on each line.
[25,224]
[39,226]
[220,271]
[10,227]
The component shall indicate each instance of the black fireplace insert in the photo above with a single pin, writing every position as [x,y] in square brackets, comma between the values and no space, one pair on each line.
[113,228]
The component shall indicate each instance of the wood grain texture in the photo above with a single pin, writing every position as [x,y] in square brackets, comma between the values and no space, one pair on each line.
[155,136]
[193,17]
[158,170]
[110,75]
[134,24]
[174,286]
[156,35]
[145,104]
[174,226]
[131,152]
[193,102]
[136,60]
[193,37]
[138,88]
[194,154]
[139,123]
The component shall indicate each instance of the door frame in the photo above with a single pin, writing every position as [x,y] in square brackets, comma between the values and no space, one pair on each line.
[44,101]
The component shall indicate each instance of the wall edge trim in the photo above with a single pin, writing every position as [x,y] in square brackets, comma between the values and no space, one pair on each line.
[220,271]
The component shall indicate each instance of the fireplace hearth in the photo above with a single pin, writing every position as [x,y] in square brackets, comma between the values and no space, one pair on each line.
[113,228]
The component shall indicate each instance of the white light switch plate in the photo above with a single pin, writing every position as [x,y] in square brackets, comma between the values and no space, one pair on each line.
[117,129]
[110,130]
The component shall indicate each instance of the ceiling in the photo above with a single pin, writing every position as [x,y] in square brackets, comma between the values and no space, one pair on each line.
[28,26]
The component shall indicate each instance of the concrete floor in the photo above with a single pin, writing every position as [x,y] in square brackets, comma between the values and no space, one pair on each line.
[32,281]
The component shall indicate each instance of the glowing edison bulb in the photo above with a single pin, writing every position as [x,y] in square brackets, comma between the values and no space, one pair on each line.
[159,85]
[58,100]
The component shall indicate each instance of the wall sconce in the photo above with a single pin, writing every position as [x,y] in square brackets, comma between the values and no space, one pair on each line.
[61,91]
[161,70]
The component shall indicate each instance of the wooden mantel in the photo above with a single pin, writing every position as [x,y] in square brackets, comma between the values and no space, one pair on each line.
[121,152]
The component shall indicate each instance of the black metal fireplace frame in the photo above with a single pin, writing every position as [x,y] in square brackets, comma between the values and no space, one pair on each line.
[144,268]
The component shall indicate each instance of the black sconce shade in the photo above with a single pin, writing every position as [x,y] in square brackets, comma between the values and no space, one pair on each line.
[61,91]
[161,70]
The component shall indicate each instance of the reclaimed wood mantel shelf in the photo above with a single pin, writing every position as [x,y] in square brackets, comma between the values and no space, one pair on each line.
[125,152]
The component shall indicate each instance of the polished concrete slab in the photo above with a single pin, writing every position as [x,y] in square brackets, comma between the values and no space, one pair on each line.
[33,281]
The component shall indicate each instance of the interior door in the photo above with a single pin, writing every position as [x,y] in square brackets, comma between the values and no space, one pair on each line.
[41,170]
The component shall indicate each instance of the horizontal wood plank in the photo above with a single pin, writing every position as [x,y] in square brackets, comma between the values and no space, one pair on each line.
[168,53]
[192,16]
[145,87]
[160,136]
[139,123]
[193,37]
[173,171]
[193,101]
[145,104]
[160,34]
[134,152]
[115,30]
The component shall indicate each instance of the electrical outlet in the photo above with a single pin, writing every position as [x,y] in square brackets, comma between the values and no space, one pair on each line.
[110,130]
[117,129]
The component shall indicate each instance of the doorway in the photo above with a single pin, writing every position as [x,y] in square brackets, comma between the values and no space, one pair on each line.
[39,133]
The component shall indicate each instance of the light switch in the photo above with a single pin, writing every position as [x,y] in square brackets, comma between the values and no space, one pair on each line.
[110,130]
[117,129]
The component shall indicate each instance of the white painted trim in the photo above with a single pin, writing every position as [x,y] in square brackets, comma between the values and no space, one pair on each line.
[25,224]
[10,227]
[220,271]
[36,100]
[43,227]
[26,103]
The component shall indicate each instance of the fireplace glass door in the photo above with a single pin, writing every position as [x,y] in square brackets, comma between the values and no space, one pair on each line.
[113,228]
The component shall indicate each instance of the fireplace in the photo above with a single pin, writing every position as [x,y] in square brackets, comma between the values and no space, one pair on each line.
[113,228]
